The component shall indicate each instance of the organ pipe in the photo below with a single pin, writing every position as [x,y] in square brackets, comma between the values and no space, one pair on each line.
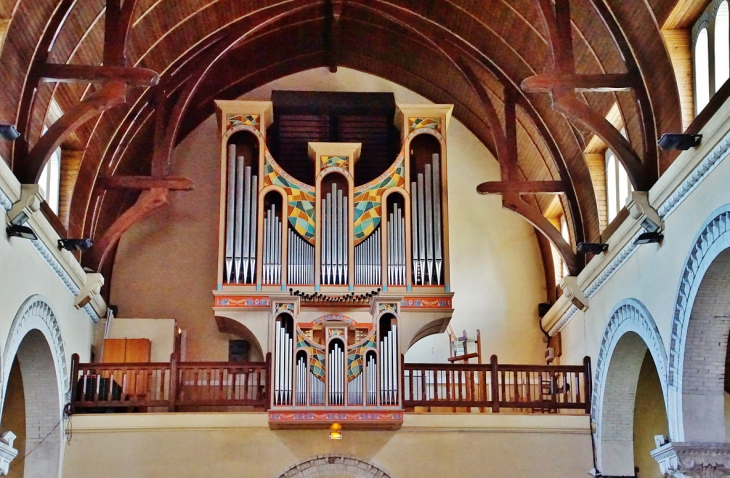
[301,260]
[368,260]
[241,201]
[389,377]
[426,224]
[272,247]
[230,209]
[334,237]
[396,247]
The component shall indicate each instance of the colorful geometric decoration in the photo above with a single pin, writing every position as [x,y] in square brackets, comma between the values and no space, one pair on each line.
[300,198]
[315,352]
[387,308]
[243,120]
[335,332]
[314,416]
[368,198]
[426,303]
[341,162]
[430,123]
[241,302]
[356,357]
[284,307]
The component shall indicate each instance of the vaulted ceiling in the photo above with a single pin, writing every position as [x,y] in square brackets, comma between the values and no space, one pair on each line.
[581,57]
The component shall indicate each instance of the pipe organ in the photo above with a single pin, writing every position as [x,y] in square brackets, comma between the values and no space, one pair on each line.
[331,241]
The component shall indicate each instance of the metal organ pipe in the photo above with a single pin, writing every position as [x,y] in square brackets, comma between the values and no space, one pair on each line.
[230,209]
[368,260]
[426,224]
[334,237]
[396,247]
[389,368]
[241,214]
[272,247]
[437,232]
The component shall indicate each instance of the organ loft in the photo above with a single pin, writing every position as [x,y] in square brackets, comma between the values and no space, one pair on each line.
[333,254]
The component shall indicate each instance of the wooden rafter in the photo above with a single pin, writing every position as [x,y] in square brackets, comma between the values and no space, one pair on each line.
[515,203]
[563,82]
[147,202]
[109,96]
[93,73]
[598,82]
[145,182]
[521,187]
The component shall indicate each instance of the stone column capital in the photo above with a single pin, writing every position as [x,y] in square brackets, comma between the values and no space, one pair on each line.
[7,452]
[693,459]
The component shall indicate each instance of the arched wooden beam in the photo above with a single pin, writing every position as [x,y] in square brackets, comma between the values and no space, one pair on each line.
[563,82]
[110,95]
[147,202]
[514,203]
[27,96]
[582,114]
[505,155]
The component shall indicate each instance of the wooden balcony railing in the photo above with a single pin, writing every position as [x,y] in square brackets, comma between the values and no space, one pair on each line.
[143,386]
[170,385]
[537,388]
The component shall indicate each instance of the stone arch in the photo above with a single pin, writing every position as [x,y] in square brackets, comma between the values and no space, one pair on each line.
[36,313]
[334,465]
[702,276]
[36,349]
[629,333]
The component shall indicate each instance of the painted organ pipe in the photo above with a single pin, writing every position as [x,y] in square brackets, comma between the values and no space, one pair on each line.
[335,375]
[301,260]
[283,376]
[334,237]
[368,260]
[241,204]
[426,223]
[272,247]
[389,368]
[396,247]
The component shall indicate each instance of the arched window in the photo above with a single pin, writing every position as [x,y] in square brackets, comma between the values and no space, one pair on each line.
[618,185]
[722,45]
[50,180]
[702,70]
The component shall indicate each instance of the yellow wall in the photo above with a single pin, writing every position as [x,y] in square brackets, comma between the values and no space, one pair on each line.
[166,265]
[650,418]
[225,445]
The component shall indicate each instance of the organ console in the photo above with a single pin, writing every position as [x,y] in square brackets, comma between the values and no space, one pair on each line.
[369,261]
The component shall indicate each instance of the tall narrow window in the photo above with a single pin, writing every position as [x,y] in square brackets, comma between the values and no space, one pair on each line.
[50,180]
[618,185]
[702,71]
[566,235]
[722,45]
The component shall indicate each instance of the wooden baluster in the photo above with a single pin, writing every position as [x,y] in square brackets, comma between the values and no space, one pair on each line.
[483,390]
[495,383]
[173,383]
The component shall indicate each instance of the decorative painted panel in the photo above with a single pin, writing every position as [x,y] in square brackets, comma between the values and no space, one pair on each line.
[430,123]
[426,303]
[243,120]
[300,198]
[316,354]
[387,308]
[245,302]
[288,307]
[369,196]
[356,357]
[342,162]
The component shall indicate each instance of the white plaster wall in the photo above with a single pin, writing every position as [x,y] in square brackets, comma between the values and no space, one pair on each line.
[652,273]
[496,267]
[23,273]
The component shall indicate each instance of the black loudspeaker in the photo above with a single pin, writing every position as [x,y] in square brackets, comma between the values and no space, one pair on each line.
[542,308]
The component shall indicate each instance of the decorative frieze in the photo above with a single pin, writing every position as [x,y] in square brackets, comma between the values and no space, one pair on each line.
[693,459]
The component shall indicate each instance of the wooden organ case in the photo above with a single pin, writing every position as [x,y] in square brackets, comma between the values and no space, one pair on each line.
[335,280]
